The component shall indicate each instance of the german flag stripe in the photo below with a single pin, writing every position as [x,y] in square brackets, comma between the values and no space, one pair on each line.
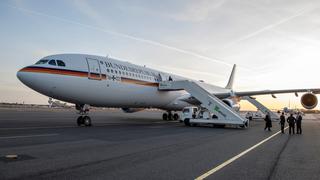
[139,82]
[62,72]
[84,74]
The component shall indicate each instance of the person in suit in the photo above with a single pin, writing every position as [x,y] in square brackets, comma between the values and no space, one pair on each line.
[267,119]
[298,122]
[291,121]
[282,122]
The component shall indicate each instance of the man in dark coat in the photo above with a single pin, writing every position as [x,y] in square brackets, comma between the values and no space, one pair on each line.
[267,119]
[291,121]
[282,122]
[298,122]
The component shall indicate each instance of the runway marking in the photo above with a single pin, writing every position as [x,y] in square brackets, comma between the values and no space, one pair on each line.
[217,168]
[28,136]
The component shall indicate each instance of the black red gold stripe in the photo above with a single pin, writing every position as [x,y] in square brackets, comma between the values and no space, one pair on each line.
[139,82]
[84,74]
[61,72]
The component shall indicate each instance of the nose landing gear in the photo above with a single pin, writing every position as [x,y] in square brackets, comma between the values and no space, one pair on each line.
[83,119]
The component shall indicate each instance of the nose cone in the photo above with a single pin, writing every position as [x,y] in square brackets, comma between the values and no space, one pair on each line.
[32,78]
[21,76]
[25,77]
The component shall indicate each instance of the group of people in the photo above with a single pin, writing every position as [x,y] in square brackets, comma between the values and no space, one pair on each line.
[291,120]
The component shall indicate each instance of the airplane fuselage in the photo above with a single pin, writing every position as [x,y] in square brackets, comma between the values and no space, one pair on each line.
[102,82]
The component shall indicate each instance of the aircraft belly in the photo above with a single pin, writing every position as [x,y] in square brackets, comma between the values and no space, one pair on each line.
[104,93]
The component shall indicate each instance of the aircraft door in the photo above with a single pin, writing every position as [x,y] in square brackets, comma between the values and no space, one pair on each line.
[94,72]
[164,77]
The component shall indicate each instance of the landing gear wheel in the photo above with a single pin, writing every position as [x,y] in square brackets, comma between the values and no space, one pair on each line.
[170,117]
[165,116]
[80,120]
[176,117]
[87,121]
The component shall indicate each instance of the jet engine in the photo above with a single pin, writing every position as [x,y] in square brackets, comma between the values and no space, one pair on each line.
[131,110]
[309,100]
[232,104]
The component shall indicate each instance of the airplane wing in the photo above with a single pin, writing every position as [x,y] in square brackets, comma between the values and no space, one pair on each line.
[272,92]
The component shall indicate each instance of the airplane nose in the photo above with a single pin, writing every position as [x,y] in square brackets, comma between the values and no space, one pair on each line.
[30,77]
[24,76]
[19,75]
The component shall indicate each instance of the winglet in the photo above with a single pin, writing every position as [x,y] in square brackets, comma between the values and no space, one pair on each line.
[231,79]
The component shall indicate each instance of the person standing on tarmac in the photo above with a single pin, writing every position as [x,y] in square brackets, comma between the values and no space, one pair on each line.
[291,121]
[267,119]
[298,122]
[282,122]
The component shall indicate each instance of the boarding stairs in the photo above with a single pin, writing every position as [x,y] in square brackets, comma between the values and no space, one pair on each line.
[225,114]
[261,107]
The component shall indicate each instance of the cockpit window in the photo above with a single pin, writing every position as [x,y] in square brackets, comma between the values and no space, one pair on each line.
[61,63]
[43,61]
[52,62]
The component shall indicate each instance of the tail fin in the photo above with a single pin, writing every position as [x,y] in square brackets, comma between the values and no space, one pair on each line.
[231,79]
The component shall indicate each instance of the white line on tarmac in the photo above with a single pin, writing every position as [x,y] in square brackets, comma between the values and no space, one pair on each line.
[28,136]
[217,168]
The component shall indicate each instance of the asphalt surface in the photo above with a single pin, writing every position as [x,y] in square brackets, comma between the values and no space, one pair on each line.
[141,146]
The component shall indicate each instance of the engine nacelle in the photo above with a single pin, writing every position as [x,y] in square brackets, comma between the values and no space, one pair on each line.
[232,104]
[309,101]
[131,110]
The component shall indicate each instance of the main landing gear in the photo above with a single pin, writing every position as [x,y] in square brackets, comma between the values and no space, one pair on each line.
[83,119]
[169,116]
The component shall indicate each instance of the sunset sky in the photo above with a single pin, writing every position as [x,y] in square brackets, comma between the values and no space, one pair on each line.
[275,43]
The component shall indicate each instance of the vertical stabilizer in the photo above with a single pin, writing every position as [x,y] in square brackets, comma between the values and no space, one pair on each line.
[232,76]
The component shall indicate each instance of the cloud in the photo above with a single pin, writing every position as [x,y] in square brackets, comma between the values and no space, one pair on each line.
[271,26]
[127,36]
[87,9]
[197,11]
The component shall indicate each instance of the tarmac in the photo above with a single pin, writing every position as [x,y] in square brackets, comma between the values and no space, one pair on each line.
[50,145]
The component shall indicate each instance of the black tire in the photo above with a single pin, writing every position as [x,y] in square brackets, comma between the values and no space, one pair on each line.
[170,117]
[176,117]
[80,120]
[87,121]
[214,116]
[187,122]
[165,116]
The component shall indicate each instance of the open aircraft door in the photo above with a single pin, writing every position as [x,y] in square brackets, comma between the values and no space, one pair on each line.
[163,77]
[94,72]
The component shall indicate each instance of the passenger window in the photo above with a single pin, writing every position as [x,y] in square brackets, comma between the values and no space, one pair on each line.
[111,70]
[108,70]
[116,72]
[52,62]
[61,63]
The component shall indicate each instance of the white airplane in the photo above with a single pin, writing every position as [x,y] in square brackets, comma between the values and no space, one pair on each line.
[88,80]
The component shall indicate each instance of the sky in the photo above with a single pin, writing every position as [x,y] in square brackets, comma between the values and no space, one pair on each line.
[275,43]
